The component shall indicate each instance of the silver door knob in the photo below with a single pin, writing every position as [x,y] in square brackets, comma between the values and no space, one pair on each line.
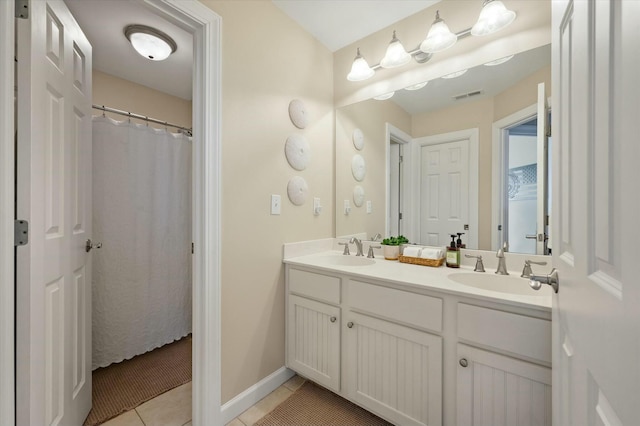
[350,324]
[463,362]
[333,319]
[536,281]
[90,244]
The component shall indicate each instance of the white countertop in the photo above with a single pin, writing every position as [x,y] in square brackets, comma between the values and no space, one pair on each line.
[424,277]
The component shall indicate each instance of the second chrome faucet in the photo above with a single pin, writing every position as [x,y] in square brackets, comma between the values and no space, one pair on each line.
[502,262]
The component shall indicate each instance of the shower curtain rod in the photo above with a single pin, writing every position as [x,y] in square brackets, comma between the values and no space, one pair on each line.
[104,109]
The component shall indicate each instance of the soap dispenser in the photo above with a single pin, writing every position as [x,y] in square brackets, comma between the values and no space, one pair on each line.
[453,254]
[459,242]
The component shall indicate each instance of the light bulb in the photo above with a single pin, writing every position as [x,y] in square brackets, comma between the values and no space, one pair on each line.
[360,69]
[396,55]
[439,37]
[494,16]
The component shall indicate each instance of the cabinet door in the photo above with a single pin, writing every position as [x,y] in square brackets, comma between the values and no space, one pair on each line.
[496,390]
[394,371]
[313,331]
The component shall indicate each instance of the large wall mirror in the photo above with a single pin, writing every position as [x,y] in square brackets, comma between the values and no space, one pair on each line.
[461,153]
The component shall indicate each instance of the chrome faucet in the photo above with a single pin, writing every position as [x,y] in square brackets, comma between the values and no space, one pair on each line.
[370,254]
[358,244]
[502,263]
[526,271]
[479,265]
[376,237]
[346,248]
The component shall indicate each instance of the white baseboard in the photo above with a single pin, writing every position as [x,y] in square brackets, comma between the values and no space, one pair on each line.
[240,403]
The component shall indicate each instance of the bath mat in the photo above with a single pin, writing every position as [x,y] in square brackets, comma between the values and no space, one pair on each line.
[123,386]
[312,405]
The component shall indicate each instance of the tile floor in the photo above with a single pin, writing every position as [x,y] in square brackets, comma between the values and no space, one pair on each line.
[173,408]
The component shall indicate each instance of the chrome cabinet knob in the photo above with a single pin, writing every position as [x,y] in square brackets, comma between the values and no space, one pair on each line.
[350,324]
[463,362]
[333,319]
[90,244]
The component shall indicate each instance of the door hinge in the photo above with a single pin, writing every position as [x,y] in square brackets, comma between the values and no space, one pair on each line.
[400,216]
[20,232]
[401,158]
[191,248]
[549,130]
[22,9]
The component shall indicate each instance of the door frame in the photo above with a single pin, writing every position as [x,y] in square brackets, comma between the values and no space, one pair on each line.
[499,136]
[473,135]
[392,133]
[206,28]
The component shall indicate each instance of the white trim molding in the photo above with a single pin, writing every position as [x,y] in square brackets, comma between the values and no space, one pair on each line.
[7,208]
[206,27]
[498,161]
[249,397]
[392,133]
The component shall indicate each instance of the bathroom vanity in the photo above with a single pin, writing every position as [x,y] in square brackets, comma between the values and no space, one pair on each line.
[419,345]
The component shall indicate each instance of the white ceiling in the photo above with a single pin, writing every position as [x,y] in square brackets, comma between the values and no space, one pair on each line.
[338,23]
[103,22]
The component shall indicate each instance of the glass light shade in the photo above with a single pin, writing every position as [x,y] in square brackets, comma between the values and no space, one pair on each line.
[439,37]
[149,42]
[416,86]
[455,74]
[384,97]
[494,16]
[396,55]
[498,61]
[360,69]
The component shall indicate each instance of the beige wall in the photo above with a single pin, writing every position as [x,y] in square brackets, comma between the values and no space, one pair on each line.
[125,95]
[532,28]
[370,117]
[482,114]
[267,61]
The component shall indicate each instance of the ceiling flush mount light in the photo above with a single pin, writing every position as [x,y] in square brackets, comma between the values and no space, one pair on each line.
[149,42]
[493,17]
[498,61]
[416,86]
[396,55]
[439,37]
[455,74]
[360,70]
[384,97]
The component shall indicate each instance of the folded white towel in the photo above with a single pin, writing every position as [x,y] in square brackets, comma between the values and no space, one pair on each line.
[412,251]
[432,253]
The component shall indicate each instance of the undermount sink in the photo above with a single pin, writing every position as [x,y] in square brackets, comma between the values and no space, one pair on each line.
[342,260]
[511,284]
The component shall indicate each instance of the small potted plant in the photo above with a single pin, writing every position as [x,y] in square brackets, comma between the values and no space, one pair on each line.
[391,246]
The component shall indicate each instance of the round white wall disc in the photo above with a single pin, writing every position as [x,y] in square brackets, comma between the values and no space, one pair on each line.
[358,167]
[297,190]
[358,139]
[298,152]
[358,195]
[298,114]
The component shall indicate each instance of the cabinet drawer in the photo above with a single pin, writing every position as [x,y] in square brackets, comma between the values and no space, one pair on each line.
[316,286]
[402,306]
[519,334]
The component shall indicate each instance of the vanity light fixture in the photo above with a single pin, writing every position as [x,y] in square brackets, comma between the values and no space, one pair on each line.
[149,42]
[396,55]
[494,16]
[416,86]
[439,37]
[499,61]
[360,70]
[384,97]
[455,74]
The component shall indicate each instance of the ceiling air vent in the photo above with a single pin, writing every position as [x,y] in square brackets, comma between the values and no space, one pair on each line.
[467,95]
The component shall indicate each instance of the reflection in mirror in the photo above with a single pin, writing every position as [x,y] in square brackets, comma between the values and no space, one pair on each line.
[450,119]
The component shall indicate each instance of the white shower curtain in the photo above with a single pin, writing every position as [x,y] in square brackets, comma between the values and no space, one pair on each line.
[142,216]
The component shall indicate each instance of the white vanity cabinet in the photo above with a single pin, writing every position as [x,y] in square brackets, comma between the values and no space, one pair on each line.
[419,355]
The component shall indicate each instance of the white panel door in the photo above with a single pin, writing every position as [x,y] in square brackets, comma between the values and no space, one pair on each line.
[394,371]
[495,390]
[314,341]
[444,191]
[54,195]
[596,324]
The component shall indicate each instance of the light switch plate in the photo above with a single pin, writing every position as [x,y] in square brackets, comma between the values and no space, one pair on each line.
[369,208]
[347,207]
[275,204]
[317,208]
